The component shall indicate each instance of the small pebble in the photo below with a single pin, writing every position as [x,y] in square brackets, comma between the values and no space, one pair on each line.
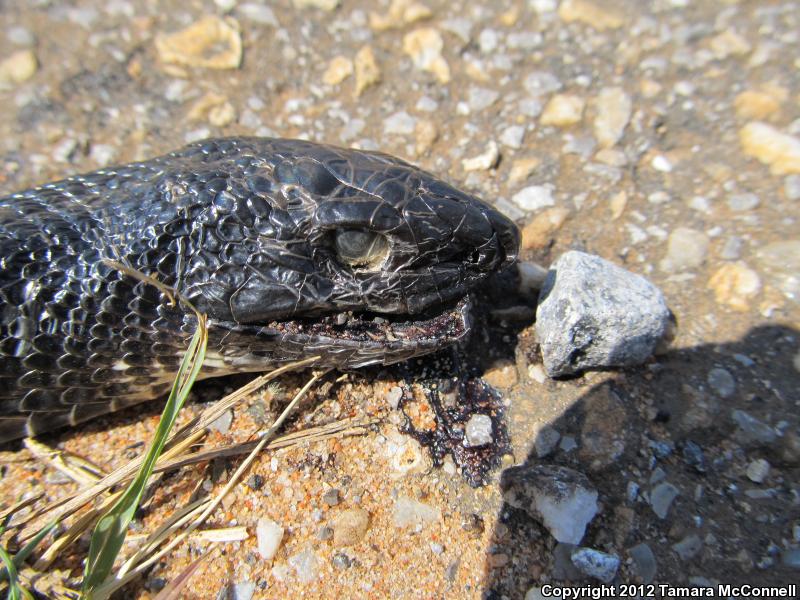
[269,536]
[255,482]
[661,163]
[534,197]
[485,161]
[735,285]
[686,249]
[772,147]
[512,136]
[722,382]
[258,13]
[424,46]
[661,498]
[563,110]
[331,497]
[791,187]
[751,430]
[596,564]
[478,431]
[399,123]
[18,68]
[644,562]
[546,441]
[613,107]
[758,470]
[688,547]
[305,564]
[368,73]
[743,202]
[211,42]
[541,83]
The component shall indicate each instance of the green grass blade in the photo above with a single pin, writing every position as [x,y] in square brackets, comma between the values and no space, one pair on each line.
[110,531]
[14,591]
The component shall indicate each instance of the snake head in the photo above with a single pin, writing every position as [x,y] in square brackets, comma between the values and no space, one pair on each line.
[313,230]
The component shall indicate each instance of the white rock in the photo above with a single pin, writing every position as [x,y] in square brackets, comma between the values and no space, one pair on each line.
[686,249]
[399,123]
[741,202]
[534,197]
[305,564]
[258,13]
[661,163]
[269,535]
[541,83]
[595,564]
[512,136]
[485,161]
[562,499]
[408,511]
[613,108]
[478,431]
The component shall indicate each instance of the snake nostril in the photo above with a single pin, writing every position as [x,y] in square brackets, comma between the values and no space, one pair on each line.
[475,257]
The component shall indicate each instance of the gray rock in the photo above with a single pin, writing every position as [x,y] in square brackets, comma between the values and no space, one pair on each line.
[222,424]
[661,498]
[562,499]
[741,202]
[758,470]
[722,382]
[686,249]
[644,562]
[791,558]
[541,83]
[688,547]
[596,564]
[592,313]
[546,441]
[331,497]
[751,431]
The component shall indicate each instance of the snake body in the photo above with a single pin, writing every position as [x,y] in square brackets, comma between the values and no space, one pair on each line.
[293,249]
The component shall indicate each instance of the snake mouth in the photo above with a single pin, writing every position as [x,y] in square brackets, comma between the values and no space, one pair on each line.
[348,339]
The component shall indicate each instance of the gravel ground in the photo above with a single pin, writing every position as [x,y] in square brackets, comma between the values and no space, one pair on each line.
[663,136]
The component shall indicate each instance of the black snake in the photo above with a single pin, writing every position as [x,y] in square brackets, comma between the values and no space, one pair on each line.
[292,249]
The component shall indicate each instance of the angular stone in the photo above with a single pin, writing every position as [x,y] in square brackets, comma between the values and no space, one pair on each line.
[613,107]
[592,313]
[562,499]
[210,43]
[778,150]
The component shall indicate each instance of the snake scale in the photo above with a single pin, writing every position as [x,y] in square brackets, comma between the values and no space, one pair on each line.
[292,248]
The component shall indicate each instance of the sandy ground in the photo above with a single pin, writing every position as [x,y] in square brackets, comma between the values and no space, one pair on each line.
[663,136]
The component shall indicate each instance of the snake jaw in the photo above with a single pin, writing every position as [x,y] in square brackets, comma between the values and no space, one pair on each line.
[344,340]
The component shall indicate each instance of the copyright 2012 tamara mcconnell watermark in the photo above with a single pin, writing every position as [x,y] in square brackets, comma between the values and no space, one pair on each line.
[665,590]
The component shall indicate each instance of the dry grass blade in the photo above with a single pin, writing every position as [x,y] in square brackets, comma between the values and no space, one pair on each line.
[185,437]
[73,466]
[128,571]
[343,428]
[173,590]
[15,508]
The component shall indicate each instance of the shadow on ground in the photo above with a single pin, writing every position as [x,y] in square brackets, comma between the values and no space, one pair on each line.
[668,422]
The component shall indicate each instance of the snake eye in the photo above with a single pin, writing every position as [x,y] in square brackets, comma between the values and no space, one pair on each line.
[359,248]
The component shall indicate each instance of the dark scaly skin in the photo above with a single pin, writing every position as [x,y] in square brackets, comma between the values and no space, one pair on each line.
[244,228]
